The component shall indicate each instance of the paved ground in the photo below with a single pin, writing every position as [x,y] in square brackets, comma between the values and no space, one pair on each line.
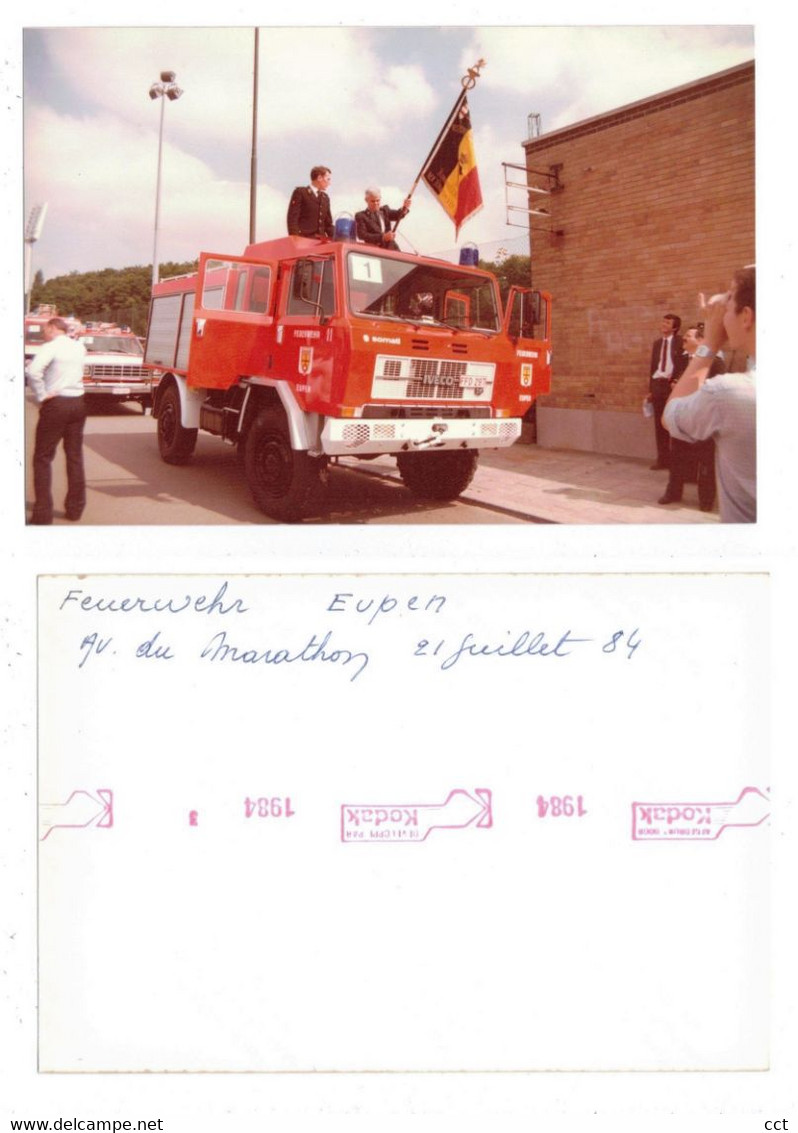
[128,484]
[562,486]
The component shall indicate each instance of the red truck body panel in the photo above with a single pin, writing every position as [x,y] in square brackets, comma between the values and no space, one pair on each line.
[244,325]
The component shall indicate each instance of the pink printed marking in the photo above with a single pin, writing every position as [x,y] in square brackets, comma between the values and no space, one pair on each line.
[81,809]
[697,822]
[413,822]
[561,806]
[271,807]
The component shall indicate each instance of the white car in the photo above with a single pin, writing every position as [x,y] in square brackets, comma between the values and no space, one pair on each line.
[114,367]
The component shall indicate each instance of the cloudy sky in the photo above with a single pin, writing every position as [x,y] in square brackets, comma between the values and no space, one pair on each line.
[367,101]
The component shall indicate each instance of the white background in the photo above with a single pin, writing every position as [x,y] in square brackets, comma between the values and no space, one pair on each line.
[550,1102]
[556,942]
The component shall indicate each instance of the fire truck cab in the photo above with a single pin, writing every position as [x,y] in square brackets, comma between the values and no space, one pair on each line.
[301,351]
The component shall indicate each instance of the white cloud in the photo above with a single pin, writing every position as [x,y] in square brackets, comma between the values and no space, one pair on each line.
[315,83]
[584,71]
[332,78]
[101,195]
[319,78]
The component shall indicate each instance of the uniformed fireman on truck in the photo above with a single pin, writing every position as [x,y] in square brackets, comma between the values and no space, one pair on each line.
[309,212]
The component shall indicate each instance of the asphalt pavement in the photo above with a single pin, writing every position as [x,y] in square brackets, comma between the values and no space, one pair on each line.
[128,484]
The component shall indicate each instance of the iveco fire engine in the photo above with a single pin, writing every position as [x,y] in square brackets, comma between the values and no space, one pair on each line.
[303,350]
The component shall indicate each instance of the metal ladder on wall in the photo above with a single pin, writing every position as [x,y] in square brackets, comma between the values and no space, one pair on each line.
[537,183]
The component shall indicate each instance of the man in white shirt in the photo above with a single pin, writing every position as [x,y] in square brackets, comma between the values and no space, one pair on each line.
[55,375]
[723,407]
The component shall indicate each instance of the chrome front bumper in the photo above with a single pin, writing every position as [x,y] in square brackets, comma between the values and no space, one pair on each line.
[357,435]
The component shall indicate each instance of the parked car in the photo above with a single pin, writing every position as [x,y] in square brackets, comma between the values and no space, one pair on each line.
[114,365]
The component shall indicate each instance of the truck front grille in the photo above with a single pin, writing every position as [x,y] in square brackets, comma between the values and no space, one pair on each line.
[411,412]
[113,372]
[398,378]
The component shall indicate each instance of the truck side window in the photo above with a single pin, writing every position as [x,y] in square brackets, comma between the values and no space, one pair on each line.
[312,291]
[522,316]
[236,301]
[259,292]
[184,332]
[217,278]
[327,292]
[542,315]
[234,285]
[213,298]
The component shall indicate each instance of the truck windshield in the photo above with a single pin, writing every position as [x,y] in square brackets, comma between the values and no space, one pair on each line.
[437,294]
[111,344]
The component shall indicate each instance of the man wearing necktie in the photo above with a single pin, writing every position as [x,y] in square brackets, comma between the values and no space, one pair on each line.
[373,223]
[667,363]
[309,212]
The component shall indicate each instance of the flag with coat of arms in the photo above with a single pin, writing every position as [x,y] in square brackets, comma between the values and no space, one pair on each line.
[450,171]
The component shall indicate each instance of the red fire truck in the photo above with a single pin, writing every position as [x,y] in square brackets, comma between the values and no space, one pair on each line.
[303,350]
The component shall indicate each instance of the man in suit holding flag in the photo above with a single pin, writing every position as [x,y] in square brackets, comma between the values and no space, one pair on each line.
[373,223]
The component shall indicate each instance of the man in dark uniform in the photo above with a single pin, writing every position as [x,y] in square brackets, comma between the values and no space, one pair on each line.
[309,211]
[667,364]
[373,223]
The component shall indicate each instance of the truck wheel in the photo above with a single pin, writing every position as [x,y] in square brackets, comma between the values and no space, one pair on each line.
[437,475]
[286,484]
[175,443]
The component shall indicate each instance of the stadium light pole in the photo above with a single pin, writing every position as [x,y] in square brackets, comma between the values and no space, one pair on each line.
[33,230]
[166,88]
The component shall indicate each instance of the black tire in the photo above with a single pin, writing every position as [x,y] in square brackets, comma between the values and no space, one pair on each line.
[286,484]
[175,443]
[438,475]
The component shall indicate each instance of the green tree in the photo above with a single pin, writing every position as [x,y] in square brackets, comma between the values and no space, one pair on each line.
[511,271]
[117,295]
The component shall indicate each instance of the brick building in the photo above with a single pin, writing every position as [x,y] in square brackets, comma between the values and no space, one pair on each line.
[656,203]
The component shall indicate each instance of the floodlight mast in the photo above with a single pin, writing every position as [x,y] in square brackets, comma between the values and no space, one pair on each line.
[166,88]
[33,230]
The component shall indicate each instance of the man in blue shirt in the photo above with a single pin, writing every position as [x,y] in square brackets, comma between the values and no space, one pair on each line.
[724,407]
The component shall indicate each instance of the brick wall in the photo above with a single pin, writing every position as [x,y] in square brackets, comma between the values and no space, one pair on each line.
[657,204]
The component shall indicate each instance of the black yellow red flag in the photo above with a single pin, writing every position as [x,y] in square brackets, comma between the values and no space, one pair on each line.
[451,169]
